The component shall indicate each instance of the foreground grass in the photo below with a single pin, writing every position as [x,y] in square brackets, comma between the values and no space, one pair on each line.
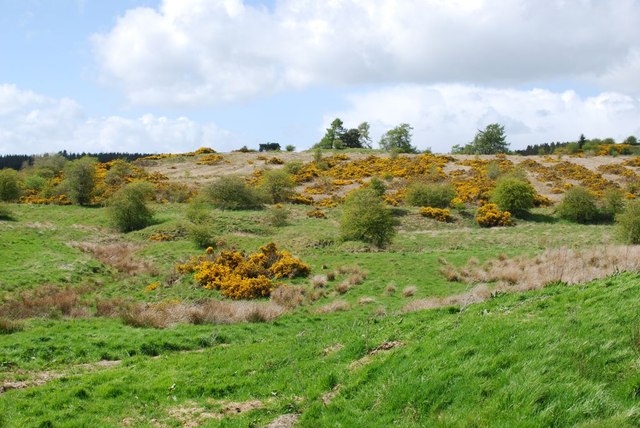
[555,357]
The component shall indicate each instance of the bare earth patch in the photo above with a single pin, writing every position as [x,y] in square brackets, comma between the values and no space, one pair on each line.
[383,347]
[191,415]
[284,421]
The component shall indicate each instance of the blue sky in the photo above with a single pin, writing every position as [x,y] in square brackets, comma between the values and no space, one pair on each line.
[174,75]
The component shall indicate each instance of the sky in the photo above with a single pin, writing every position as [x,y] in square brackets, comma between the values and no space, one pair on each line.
[174,75]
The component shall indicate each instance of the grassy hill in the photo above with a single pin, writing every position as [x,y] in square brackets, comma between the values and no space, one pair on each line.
[98,328]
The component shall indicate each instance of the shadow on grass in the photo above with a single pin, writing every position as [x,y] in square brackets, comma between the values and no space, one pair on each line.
[540,218]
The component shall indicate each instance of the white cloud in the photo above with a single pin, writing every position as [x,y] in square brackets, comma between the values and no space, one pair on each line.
[444,115]
[33,123]
[200,52]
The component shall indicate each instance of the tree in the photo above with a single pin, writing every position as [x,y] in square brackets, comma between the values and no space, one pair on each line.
[9,185]
[582,141]
[398,139]
[631,140]
[127,208]
[490,141]
[628,223]
[364,138]
[80,179]
[332,138]
[365,218]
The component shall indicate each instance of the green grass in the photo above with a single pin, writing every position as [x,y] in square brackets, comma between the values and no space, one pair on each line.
[561,356]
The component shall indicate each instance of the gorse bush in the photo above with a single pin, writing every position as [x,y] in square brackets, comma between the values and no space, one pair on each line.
[489,215]
[514,195]
[377,186]
[9,185]
[437,195]
[233,193]
[128,209]
[628,223]
[366,218]
[278,216]
[578,205]
[245,277]
[277,186]
[80,180]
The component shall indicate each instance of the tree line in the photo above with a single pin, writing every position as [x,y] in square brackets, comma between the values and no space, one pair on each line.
[19,162]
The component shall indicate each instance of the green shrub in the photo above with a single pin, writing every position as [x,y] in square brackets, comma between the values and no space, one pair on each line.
[366,218]
[436,195]
[232,193]
[290,148]
[198,210]
[127,208]
[117,173]
[377,186]
[277,186]
[9,185]
[278,216]
[5,212]
[513,195]
[628,223]
[578,205]
[293,167]
[202,234]
[612,204]
[35,182]
[80,180]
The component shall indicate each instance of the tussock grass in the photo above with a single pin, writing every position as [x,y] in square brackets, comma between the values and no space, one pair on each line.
[163,315]
[289,297]
[120,255]
[522,273]
[335,306]
[46,301]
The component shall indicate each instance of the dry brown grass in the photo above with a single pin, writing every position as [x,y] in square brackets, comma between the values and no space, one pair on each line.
[45,301]
[8,326]
[391,289]
[519,274]
[119,255]
[319,281]
[162,315]
[289,297]
[409,291]
[342,288]
[365,300]
[335,306]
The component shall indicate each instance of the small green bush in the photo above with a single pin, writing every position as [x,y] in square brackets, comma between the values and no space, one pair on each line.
[513,195]
[277,186]
[366,218]
[80,180]
[35,182]
[198,211]
[436,195]
[578,205]
[628,223]
[612,204]
[9,185]
[278,216]
[202,234]
[290,148]
[377,186]
[127,208]
[293,167]
[233,193]
[5,212]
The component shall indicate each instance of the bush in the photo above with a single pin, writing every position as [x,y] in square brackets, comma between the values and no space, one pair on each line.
[278,216]
[5,212]
[202,235]
[377,186]
[197,211]
[578,205]
[612,204]
[628,223]
[232,193]
[277,186]
[366,218]
[127,208]
[80,180]
[437,195]
[514,195]
[9,185]
[489,215]
[290,148]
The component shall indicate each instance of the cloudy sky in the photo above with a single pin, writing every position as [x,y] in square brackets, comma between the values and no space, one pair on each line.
[175,75]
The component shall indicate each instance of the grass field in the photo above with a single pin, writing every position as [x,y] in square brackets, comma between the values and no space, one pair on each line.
[354,353]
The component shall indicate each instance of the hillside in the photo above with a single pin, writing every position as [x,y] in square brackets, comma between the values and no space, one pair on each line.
[451,324]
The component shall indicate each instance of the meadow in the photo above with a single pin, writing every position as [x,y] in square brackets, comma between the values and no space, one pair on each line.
[444,326]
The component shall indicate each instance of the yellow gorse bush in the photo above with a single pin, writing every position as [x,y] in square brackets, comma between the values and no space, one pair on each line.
[245,277]
[439,214]
[489,215]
